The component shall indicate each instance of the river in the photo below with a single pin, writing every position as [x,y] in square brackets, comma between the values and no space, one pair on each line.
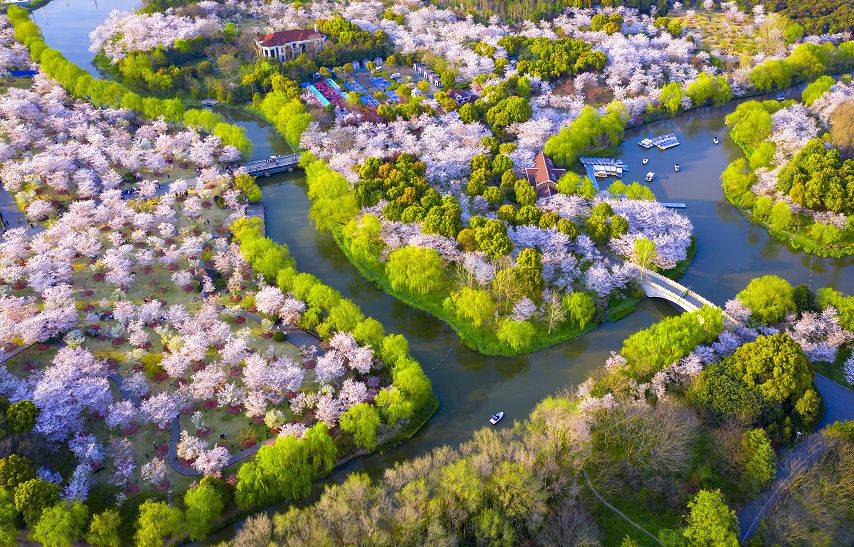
[470,386]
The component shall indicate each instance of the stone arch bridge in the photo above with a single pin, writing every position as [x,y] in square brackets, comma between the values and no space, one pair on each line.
[655,285]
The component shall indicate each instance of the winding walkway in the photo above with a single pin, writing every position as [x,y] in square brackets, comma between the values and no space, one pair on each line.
[838,406]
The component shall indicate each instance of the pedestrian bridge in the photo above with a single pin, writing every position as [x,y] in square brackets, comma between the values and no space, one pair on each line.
[655,285]
[272,165]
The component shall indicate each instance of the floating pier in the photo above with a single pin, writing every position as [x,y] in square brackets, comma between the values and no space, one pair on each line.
[603,168]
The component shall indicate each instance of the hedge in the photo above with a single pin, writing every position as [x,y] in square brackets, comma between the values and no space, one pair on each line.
[109,94]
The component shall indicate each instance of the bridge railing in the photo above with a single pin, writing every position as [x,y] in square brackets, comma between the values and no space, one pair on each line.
[277,161]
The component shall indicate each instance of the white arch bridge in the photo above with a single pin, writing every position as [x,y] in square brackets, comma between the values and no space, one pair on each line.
[656,285]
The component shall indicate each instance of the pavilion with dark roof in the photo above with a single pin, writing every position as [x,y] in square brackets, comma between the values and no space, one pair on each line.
[543,176]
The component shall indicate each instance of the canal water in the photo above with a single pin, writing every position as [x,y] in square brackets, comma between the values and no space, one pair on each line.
[470,386]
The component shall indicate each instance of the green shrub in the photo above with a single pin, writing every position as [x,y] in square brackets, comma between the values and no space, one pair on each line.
[667,341]
[769,298]
[843,303]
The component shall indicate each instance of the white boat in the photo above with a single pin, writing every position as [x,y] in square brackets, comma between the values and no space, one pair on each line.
[676,167]
[645,161]
[781,98]
[650,176]
[715,140]
[495,418]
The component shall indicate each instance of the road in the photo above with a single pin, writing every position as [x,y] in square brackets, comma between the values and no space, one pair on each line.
[838,406]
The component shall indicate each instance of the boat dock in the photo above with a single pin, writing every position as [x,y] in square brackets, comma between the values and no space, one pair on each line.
[662,142]
[599,168]
[674,205]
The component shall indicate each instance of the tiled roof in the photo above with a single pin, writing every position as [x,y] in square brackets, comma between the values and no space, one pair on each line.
[283,37]
[544,175]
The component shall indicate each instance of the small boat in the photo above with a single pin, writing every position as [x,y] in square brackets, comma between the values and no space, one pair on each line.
[495,418]
[781,98]
[676,167]
[649,176]
[645,161]
[715,140]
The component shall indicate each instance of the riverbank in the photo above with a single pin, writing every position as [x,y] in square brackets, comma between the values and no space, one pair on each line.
[797,241]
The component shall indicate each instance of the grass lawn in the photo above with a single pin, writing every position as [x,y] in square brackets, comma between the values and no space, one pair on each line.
[723,34]
[9,82]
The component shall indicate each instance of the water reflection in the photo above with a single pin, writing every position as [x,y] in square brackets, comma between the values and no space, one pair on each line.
[66,24]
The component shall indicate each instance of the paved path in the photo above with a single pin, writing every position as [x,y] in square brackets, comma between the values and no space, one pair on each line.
[838,406]
[6,355]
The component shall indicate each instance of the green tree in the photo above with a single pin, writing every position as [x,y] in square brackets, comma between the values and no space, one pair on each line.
[204,505]
[750,124]
[508,111]
[619,225]
[517,494]
[573,184]
[493,195]
[393,404]
[461,487]
[8,518]
[475,305]
[361,421]
[420,270]
[760,460]
[525,193]
[761,384]
[14,470]
[843,303]
[588,132]
[580,307]
[104,530]
[516,334]
[816,89]
[780,216]
[645,253]
[33,496]
[670,97]
[157,522]
[468,113]
[598,228]
[667,341]
[711,521]
[770,298]
[775,365]
[21,416]
[247,186]
[285,469]
[62,524]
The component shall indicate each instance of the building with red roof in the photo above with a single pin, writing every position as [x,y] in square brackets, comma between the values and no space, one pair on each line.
[543,176]
[285,45]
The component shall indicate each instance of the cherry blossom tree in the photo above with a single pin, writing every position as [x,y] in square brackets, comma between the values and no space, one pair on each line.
[211,462]
[161,409]
[122,415]
[154,472]
[74,383]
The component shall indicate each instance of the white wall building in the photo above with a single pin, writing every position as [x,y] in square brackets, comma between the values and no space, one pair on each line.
[286,45]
